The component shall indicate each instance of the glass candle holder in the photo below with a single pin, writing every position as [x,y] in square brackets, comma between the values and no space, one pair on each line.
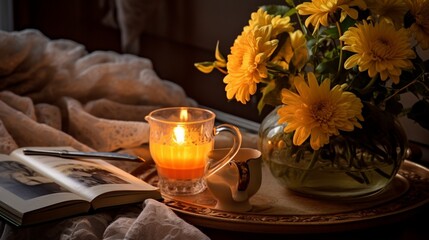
[180,141]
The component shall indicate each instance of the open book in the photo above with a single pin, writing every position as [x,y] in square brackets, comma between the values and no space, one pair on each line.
[37,189]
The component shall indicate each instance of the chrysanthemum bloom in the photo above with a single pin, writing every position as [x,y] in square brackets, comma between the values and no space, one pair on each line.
[293,51]
[278,23]
[300,50]
[392,11]
[379,48]
[247,62]
[419,10]
[321,10]
[318,112]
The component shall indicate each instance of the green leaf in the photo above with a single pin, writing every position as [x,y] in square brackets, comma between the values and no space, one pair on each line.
[219,57]
[311,42]
[420,113]
[289,13]
[331,32]
[261,105]
[269,96]
[329,66]
[205,67]
[348,22]
[394,106]
[290,3]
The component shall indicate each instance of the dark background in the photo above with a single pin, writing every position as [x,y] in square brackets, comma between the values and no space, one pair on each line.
[176,35]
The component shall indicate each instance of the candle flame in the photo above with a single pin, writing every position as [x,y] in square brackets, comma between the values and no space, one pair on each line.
[184,115]
[179,134]
[179,131]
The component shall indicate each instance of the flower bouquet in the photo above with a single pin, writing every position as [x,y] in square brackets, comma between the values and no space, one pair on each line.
[335,71]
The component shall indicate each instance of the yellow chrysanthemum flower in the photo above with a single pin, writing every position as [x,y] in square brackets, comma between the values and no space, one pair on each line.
[300,50]
[318,112]
[294,50]
[247,62]
[321,10]
[284,56]
[419,10]
[392,11]
[278,23]
[379,48]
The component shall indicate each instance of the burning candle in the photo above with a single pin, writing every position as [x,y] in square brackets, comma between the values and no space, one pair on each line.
[180,141]
[182,153]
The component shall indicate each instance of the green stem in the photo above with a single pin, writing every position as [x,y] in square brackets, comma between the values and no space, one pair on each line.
[340,61]
[311,165]
[400,90]
[370,84]
[303,28]
[298,156]
[221,70]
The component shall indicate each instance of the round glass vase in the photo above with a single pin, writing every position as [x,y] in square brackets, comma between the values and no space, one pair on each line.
[353,164]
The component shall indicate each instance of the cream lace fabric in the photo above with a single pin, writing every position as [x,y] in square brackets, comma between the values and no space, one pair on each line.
[63,95]
[155,221]
[54,93]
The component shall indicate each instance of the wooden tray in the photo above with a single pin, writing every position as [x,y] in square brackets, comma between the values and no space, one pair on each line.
[277,210]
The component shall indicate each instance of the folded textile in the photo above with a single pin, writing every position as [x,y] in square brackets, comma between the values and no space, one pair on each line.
[156,221]
[24,131]
[63,95]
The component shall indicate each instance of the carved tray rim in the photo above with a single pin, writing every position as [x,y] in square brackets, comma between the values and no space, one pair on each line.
[393,211]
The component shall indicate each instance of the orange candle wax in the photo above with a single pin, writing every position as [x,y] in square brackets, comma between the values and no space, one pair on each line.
[183,158]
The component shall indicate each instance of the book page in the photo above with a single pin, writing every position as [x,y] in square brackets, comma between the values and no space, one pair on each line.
[86,177]
[25,190]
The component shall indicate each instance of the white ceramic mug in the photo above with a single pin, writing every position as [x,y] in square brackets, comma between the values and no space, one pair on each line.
[236,182]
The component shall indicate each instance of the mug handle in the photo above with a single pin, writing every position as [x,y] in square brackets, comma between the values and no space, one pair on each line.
[237,139]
